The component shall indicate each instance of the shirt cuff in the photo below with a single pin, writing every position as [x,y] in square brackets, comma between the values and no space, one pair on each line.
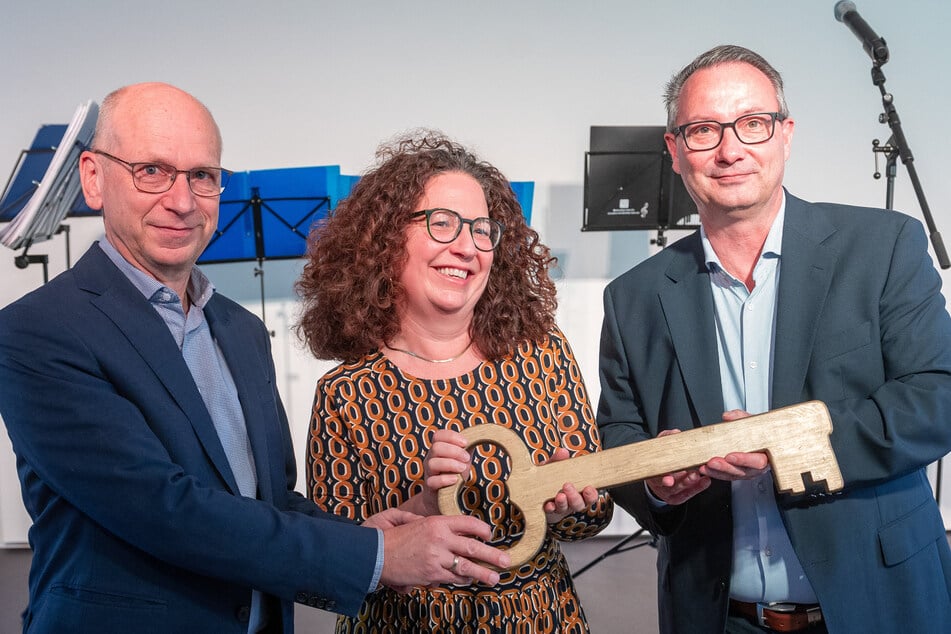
[655,501]
[378,570]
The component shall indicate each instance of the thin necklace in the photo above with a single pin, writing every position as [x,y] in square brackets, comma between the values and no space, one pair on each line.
[422,358]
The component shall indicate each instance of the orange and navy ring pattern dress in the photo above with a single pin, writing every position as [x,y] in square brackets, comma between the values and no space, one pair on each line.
[371,429]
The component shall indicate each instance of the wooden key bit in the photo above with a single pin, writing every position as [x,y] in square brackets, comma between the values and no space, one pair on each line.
[796,439]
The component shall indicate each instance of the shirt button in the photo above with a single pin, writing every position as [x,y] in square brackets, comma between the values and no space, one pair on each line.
[768,552]
[753,365]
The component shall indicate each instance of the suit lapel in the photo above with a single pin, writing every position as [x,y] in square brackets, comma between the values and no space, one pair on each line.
[116,297]
[686,303]
[246,368]
[805,276]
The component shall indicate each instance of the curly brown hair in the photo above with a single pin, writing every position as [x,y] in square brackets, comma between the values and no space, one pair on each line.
[350,288]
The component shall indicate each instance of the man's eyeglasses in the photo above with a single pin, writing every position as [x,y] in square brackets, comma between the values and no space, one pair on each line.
[156,178]
[444,226]
[749,129]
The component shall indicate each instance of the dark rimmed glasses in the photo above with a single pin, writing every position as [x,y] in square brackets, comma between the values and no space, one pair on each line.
[750,129]
[156,178]
[444,226]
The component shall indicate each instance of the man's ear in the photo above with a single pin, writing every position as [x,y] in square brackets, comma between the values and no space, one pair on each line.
[671,142]
[91,178]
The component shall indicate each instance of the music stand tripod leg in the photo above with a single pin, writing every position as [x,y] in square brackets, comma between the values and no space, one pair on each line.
[614,550]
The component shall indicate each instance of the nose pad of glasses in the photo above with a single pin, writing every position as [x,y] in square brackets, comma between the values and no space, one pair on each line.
[181,190]
[729,140]
[464,240]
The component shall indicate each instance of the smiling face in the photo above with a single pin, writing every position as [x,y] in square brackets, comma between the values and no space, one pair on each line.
[733,180]
[445,279]
[160,234]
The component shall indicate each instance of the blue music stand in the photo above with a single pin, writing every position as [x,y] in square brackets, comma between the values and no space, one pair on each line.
[525,192]
[30,168]
[267,214]
[345,185]
[44,187]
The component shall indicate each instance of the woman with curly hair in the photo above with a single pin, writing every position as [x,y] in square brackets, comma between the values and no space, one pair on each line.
[429,286]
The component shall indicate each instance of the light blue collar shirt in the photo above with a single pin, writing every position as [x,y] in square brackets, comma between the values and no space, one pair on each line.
[204,358]
[765,566]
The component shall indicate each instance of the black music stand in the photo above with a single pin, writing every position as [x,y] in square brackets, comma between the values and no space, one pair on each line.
[630,184]
[620,547]
[267,214]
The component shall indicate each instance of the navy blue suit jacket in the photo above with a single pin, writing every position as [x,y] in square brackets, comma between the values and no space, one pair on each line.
[862,326]
[138,525]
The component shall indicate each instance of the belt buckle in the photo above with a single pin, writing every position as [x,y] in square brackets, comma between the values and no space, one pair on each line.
[786,608]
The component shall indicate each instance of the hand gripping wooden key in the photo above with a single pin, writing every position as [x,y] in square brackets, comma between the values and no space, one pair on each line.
[795,438]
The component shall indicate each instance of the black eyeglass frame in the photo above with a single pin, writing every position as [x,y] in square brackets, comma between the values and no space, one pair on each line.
[774,117]
[429,212]
[174,171]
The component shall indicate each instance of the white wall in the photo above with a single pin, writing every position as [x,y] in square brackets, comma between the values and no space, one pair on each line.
[296,83]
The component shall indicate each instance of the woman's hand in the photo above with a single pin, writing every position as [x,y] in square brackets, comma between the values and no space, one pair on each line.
[446,461]
[569,500]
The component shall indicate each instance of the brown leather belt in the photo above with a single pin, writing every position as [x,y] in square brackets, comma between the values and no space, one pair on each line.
[782,617]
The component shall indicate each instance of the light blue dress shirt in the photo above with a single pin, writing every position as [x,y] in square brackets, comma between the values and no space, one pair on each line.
[204,359]
[765,566]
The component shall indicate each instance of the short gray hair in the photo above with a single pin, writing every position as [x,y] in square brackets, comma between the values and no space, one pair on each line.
[725,54]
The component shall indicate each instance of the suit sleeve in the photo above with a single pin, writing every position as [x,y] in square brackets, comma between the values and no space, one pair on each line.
[95,442]
[620,422]
[892,414]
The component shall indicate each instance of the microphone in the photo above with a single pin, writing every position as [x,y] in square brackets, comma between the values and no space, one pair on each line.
[847,14]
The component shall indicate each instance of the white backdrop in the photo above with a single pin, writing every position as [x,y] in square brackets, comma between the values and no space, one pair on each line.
[314,82]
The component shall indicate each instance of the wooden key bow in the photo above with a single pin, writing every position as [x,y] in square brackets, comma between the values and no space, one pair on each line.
[796,439]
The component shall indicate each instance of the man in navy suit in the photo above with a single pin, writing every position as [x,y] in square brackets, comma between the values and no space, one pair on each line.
[776,301]
[153,450]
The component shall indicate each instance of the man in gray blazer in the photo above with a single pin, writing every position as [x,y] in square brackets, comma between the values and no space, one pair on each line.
[153,451]
[773,302]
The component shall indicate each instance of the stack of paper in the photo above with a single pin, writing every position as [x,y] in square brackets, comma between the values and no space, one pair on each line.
[41,216]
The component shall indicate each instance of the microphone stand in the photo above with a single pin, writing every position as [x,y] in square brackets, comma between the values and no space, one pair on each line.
[897,146]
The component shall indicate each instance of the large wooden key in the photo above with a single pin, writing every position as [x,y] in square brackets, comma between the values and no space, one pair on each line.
[796,439]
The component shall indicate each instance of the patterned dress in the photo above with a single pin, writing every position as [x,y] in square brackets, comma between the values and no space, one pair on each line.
[371,428]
